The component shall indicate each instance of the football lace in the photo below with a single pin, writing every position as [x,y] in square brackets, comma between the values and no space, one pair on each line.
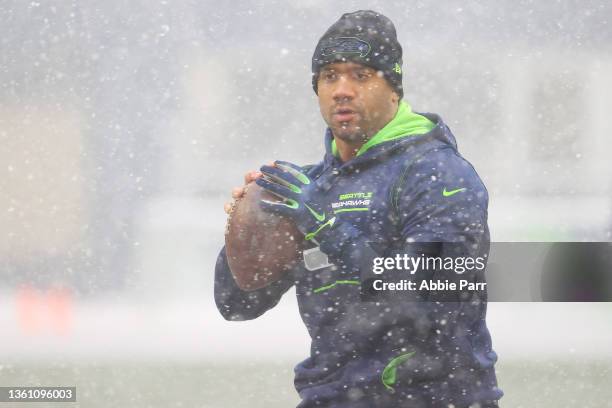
[231,210]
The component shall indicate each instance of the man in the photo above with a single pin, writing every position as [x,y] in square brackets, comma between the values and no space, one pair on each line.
[391,183]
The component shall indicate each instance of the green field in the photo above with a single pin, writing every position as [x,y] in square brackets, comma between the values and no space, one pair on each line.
[213,385]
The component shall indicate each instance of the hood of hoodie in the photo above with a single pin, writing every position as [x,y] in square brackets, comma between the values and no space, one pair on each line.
[407,129]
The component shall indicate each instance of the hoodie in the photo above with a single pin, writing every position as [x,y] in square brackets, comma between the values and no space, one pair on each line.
[408,186]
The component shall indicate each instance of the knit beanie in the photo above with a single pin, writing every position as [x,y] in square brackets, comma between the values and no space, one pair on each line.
[365,37]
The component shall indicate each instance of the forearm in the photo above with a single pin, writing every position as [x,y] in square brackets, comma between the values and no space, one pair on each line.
[236,304]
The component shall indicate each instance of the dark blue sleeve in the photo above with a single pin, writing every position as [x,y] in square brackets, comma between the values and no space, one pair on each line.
[443,200]
[236,304]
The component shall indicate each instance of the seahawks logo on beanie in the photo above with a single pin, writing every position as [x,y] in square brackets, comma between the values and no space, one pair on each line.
[345,45]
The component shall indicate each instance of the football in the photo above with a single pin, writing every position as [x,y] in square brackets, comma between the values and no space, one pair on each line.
[260,246]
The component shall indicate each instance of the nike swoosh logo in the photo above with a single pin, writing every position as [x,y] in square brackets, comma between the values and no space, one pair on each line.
[319,217]
[313,234]
[452,192]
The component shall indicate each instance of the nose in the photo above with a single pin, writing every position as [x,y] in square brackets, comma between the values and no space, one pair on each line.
[344,90]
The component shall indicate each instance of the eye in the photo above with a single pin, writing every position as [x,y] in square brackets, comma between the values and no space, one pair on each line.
[329,76]
[363,75]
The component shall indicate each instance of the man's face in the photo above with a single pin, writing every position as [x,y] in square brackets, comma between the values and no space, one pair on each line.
[355,101]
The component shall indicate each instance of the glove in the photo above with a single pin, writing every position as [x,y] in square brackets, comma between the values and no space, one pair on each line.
[344,243]
[290,183]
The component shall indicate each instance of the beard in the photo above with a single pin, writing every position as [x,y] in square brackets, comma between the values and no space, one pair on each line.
[350,133]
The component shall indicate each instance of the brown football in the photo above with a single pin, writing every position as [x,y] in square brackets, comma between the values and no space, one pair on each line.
[260,246]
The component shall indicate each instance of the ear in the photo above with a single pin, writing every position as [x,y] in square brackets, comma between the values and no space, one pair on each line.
[395,98]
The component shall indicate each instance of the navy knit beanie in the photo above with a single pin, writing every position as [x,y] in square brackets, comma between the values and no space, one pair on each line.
[365,37]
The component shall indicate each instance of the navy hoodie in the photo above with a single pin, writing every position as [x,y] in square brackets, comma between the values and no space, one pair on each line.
[398,350]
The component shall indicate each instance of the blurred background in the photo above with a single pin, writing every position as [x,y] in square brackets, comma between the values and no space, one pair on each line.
[124,126]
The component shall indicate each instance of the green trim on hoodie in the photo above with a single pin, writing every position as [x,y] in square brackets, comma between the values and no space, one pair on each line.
[405,123]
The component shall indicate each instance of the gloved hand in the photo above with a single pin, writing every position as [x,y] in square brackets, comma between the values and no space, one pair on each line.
[343,242]
[291,184]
